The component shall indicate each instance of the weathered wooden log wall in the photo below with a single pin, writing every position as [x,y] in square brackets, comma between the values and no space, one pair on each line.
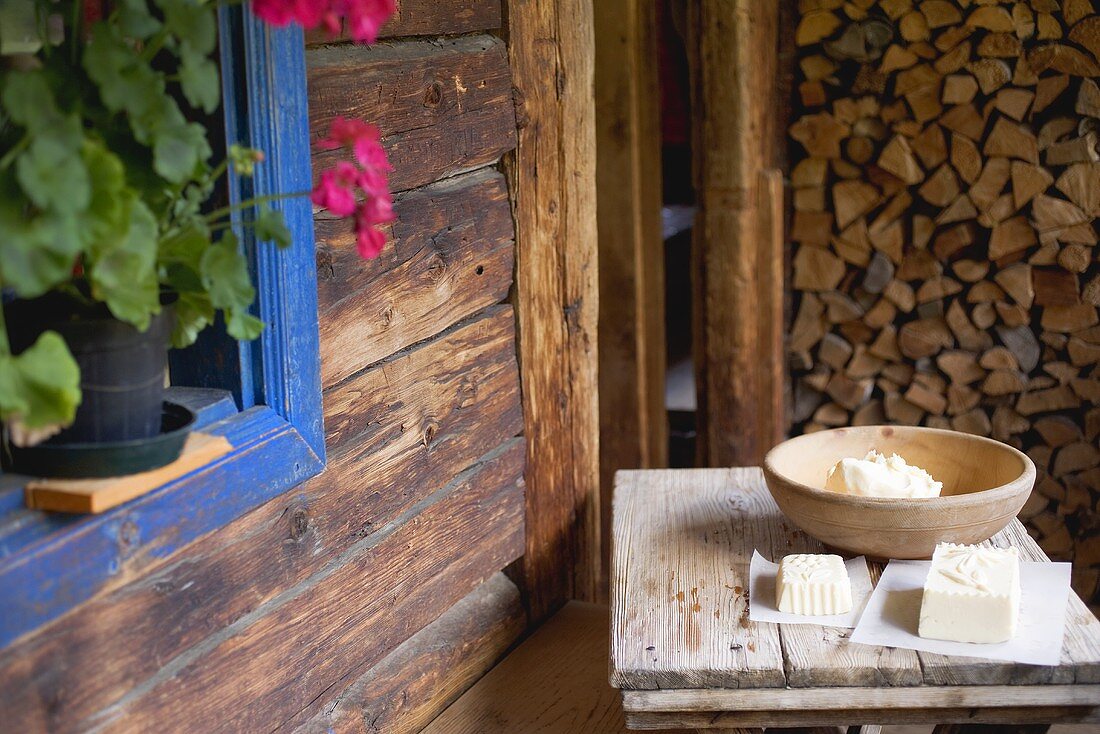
[945,188]
[370,597]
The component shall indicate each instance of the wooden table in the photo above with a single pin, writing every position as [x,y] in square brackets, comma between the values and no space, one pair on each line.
[685,654]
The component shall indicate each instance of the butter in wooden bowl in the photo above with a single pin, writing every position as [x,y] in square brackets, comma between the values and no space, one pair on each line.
[814,584]
[971,594]
[878,475]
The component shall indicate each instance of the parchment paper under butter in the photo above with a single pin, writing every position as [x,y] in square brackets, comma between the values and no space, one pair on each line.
[892,615]
[762,573]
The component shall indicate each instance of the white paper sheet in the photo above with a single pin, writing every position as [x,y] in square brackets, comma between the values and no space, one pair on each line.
[762,573]
[893,612]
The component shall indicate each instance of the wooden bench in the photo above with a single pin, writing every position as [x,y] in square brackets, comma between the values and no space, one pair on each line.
[553,683]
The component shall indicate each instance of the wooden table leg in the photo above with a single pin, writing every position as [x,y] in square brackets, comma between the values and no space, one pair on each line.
[991,729]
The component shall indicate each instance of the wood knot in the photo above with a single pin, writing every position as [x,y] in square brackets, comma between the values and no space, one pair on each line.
[431,428]
[437,267]
[433,95]
[299,523]
[387,316]
[467,392]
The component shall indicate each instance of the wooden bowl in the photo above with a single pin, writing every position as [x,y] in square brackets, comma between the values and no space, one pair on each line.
[985,483]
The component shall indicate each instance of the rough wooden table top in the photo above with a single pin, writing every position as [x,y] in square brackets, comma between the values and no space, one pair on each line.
[682,541]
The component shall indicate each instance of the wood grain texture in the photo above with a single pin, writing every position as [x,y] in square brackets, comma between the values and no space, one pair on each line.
[442,108]
[450,255]
[294,655]
[418,680]
[398,434]
[554,683]
[552,181]
[633,422]
[732,50]
[430,18]
[683,541]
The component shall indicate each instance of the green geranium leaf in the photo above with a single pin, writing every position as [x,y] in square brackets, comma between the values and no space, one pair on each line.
[194,313]
[28,100]
[199,80]
[105,220]
[36,252]
[40,387]
[192,22]
[185,246]
[224,273]
[124,274]
[111,65]
[151,110]
[270,226]
[135,19]
[242,325]
[51,171]
[179,151]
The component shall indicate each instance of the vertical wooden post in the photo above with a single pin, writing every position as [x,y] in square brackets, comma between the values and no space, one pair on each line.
[633,422]
[733,46]
[553,183]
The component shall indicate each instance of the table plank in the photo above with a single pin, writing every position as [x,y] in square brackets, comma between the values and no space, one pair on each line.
[725,720]
[679,581]
[682,540]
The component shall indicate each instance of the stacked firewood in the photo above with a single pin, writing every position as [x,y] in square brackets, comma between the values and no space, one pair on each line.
[946,181]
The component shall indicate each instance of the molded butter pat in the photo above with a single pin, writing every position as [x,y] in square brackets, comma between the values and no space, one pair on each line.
[971,594]
[877,475]
[813,584]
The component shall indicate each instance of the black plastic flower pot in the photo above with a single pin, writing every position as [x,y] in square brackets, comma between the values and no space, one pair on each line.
[122,372]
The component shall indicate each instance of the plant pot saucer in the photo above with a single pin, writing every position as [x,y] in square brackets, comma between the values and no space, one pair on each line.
[109,458]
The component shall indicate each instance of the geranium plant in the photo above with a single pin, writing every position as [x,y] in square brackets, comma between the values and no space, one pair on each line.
[108,178]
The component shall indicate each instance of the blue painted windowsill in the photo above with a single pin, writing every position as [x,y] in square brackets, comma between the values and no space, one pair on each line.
[50,562]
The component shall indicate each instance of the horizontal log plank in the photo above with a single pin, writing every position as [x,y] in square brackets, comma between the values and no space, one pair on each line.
[430,18]
[451,255]
[419,679]
[460,391]
[442,107]
[297,653]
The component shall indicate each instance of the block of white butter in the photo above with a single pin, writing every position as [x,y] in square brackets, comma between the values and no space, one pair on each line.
[810,583]
[877,475]
[971,594]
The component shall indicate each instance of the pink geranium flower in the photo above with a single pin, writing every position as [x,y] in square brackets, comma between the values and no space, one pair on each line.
[369,240]
[336,191]
[364,18]
[358,188]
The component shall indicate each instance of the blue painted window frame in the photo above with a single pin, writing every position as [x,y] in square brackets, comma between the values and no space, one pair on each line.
[50,563]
